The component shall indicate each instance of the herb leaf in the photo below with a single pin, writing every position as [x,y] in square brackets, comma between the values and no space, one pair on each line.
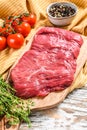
[11,106]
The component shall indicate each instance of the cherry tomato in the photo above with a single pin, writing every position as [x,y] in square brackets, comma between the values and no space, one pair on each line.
[25,17]
[8,19]
[3,32]
[2,43]
[23,28]
[15,22]
[15,40]
[31,19]
[0,29]
[6,30]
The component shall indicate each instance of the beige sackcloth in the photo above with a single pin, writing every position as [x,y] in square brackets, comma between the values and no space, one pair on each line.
[79,25]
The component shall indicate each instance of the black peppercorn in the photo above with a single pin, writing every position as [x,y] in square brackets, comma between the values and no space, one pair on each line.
[61,10]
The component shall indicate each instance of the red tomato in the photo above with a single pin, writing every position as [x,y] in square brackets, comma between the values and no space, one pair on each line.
[31,19]
[26,18]
[15,22]
[5,31]
[8,19]
[2,43]
[15,40]
[0,29]
[23,28]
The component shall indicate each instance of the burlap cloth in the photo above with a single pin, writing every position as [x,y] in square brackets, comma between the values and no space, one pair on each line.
[79,24]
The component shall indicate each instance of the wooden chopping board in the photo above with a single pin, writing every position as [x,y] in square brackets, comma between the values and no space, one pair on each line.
[54,98]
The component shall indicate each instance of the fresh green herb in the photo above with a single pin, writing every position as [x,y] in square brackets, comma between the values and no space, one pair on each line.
[13,107]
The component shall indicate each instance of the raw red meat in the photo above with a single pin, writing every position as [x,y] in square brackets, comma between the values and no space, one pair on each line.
[49,65]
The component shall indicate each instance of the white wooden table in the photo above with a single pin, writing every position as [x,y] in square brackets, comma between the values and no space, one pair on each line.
[71,114]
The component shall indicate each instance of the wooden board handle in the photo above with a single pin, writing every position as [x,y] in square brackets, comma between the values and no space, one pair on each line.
[5,126]
[2,124]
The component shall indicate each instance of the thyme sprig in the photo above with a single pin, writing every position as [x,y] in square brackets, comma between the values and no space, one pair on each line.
[11,106]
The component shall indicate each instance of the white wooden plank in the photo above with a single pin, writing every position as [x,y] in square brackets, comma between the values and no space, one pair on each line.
[71,114]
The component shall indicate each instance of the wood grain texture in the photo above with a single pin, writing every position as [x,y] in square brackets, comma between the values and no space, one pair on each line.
[71,114]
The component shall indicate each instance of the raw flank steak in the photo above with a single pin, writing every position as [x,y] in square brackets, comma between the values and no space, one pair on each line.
[49,65]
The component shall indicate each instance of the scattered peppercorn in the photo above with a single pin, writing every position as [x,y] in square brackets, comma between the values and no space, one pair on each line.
[61,10]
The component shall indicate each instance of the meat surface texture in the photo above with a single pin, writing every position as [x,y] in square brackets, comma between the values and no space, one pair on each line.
[49,65]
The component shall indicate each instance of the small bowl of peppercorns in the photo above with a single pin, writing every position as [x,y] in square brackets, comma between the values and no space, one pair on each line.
[61,13]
